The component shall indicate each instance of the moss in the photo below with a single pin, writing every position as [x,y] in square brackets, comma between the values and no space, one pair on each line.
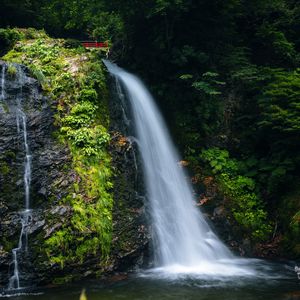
[8,244]
[4,168]
[11,71]
[289,213]
[4,106]
[10,155]
[76,81]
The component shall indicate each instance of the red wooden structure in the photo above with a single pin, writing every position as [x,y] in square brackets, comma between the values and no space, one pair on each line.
[92,44]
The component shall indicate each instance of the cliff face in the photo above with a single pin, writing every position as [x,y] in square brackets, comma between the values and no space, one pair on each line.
[86,217]
[23,101]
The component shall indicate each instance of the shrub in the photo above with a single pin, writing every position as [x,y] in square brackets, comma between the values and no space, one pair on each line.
[244,203]
[8,37]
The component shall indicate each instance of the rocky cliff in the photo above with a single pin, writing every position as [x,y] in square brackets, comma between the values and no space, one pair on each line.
[86,215]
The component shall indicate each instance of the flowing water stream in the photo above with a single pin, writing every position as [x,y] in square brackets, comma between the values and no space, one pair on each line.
[2,97]
[25,215]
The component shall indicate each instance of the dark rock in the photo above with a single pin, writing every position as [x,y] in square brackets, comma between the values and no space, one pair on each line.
[294,295]
[49,165]
[50,230]
[218,211]
[34,226]
[130,246]
[60,210]
[43,191]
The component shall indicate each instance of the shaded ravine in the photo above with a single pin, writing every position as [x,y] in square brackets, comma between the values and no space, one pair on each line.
[183,241]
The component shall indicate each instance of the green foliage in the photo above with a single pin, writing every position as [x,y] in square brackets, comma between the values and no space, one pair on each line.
[219,160]
[208,84]
[8,37]
[89,140]
[88,95]
[245,204]
[4,168]
[276,42]
[107,26]
[280,103]
[11,71]
[81,114]
[72,43]
[295,224]
[38,74]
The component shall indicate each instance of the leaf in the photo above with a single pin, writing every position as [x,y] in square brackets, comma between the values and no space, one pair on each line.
[186,76]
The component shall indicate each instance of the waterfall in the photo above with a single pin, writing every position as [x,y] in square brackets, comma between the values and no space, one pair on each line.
[25,215]
[183,241]
[2,97]
[27,168]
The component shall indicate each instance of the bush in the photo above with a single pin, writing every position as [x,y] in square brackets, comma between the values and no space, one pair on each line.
[8,37]
[244,203]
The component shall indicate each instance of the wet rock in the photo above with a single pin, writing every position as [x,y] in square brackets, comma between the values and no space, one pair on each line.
[35,225]
[3,208]
[117,277]
[50,161]
[130,245]
[218,211]
[60,210]
[88,273]
[50,230]
[43,191]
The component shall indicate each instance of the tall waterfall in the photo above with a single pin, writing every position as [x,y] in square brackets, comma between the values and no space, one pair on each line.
[25,215]
[183,241]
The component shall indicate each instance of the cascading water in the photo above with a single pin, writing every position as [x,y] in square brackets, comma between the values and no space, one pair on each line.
[183,241]
[25,215]
[27,167]
[2,97]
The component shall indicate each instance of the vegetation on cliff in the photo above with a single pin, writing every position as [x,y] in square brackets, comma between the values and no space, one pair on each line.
[75,82]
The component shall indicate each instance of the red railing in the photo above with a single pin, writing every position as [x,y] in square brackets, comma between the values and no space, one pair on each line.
[90,44]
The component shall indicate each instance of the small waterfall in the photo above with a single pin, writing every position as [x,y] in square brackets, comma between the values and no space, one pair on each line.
[27,168]
[183,241]
[14,280]
[2,97]
[25,216]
